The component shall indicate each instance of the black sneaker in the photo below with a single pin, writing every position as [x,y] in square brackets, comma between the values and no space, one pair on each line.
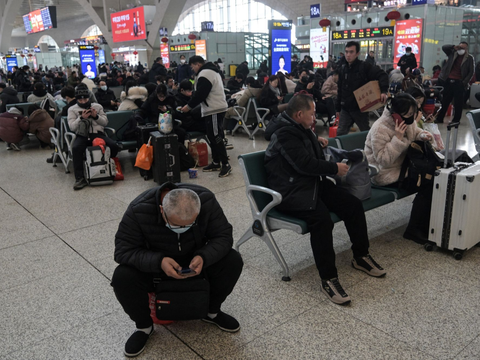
[224,322]
[80,184]
[335,292]
[226,170]
[212,167]
[50,159]
[15,147]
[136,343]
[369,266]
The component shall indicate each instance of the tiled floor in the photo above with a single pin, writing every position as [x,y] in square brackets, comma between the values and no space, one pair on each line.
[56,260]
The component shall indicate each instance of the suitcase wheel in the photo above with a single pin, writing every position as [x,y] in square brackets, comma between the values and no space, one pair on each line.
[428,246]
[458,255]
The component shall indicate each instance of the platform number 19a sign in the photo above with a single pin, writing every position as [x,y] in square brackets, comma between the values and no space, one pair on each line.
[315,11]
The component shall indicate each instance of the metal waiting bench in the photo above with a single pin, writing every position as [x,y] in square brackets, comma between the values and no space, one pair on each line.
[243,114]
[267,219]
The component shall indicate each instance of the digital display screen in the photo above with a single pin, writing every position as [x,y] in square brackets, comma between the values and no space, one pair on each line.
[201,48]
[11,62]
[182,47]
[87,60]
[101,56]
[40,20]
[207,26]
[368,33]
[128,25]
[281,51]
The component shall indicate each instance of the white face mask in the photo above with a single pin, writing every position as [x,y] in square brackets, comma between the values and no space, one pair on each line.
[407,53]
[182,61]
[461,52]
[104,88]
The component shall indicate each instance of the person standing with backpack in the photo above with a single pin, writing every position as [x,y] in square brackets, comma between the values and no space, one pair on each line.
[353,74]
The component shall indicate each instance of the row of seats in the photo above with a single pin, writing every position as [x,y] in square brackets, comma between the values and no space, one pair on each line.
[262,199]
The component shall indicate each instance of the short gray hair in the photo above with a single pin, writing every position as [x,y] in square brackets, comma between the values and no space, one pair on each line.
[183,203]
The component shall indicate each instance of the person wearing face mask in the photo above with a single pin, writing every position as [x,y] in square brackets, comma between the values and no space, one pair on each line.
[157,237]
[297,169]
[85,110]
[454,77]
[386,147]
[183,70]
[407,61]
[106,97]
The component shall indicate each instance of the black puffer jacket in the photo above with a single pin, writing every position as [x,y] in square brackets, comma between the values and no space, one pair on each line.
[8,96]
[143,240]
[295,163]
[157,69]
[354,76]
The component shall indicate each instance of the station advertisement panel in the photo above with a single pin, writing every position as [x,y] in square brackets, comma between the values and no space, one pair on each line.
[281,45]
[201,48]
[128,25]
[164,53]
[11,61]
[408,33]
[319,47]
[87,60]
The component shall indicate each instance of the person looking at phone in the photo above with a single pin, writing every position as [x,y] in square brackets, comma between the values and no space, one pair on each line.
[386,147]
[167,231]
[297,169]
[271,96]
[94,116]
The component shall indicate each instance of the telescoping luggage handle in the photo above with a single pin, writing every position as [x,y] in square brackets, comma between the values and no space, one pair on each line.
[447,146]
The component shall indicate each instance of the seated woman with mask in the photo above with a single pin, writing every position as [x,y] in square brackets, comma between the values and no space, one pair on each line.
[386,147]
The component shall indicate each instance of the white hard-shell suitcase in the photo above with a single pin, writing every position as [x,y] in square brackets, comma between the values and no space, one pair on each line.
[454,220]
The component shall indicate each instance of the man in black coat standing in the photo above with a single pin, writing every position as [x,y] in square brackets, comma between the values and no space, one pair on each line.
[157,70]
[164,230]
[407,61]
[297,169]
[353,74]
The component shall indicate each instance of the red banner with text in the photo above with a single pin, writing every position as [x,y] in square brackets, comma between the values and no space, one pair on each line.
[128,25]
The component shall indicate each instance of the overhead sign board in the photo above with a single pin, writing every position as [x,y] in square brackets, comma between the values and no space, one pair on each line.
[368,33]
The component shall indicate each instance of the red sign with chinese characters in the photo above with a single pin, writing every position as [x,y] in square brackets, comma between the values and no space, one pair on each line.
[408,33]
[128,25]
[165,55]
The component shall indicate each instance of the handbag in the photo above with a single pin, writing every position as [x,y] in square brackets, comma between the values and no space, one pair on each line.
[332,131]
[199,152]
[144,158]
[84,127]
[419,166]
[186,299]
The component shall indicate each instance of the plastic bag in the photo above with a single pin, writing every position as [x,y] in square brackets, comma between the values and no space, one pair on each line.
[165,123]
[145,156]
[332,131]
[437,142]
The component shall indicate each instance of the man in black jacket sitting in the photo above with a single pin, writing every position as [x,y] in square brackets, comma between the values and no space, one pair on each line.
[297,169]
[235,83]
[164,230]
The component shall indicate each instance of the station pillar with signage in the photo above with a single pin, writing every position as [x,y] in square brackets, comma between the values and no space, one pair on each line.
[280,32]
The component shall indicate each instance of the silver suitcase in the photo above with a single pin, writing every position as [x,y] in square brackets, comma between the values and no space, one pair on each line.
[454,221]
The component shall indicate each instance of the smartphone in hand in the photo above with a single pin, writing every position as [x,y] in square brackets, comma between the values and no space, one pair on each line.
[186,272]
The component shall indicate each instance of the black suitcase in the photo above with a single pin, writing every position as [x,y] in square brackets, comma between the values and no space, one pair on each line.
[166,158]
[143,134]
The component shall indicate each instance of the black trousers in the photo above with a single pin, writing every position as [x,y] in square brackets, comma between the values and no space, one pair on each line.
[453,90]
[350,210]
[80,145]
[421,209]
[215,137]
[131,287]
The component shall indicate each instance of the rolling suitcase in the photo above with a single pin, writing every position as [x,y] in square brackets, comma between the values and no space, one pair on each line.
[143,134]
[166,158]
[454,221]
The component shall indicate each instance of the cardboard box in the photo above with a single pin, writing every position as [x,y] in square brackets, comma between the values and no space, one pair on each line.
[368,97]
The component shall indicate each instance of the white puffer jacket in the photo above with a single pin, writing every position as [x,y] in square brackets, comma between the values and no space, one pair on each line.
[134,93]
[384,150]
